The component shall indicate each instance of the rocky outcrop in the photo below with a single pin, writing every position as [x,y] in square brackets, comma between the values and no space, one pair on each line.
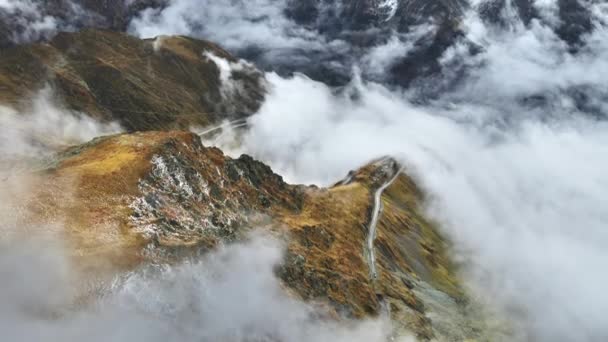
[129,199]
[165,83]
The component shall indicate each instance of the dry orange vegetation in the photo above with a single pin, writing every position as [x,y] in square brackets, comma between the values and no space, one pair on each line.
[120,195]
[142,84]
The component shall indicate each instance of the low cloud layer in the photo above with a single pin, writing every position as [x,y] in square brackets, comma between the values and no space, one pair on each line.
[31,20]
[256,29]
[42,127]
[513,162]
[231,294]
[394,42]
[261,23]
[525,206]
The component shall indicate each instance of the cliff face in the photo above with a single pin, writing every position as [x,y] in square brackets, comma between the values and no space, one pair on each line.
[362,247]
[166,83]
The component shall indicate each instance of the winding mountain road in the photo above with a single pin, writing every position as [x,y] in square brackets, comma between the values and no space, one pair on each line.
[371,235]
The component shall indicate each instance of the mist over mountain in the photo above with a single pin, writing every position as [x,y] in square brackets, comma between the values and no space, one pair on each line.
[429,48]
[487,221]
[328,37]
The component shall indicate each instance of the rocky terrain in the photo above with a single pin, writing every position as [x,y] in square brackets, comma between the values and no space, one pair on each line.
[129,199]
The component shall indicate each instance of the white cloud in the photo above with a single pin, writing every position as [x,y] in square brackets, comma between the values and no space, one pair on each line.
[378,59]
[235,24]
[29,15]
[525,205]
[520,188]
[44,127]
[231,294]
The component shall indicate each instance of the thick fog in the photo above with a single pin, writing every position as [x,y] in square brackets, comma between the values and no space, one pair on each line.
[42,127]
[231,294]
[525,205]
[513,160]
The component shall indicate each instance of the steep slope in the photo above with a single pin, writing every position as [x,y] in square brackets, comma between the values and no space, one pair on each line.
[169,82]
[158,196]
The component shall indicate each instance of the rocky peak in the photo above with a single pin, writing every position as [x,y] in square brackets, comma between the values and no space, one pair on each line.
[362,247]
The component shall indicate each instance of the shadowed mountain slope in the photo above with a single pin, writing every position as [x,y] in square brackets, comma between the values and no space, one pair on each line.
[166,83]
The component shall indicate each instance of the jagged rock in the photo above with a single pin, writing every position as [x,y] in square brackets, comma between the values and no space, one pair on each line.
[155,196]
[166,83]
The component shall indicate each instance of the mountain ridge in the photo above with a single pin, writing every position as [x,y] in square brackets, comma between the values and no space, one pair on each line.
[142,84]
[161,196]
